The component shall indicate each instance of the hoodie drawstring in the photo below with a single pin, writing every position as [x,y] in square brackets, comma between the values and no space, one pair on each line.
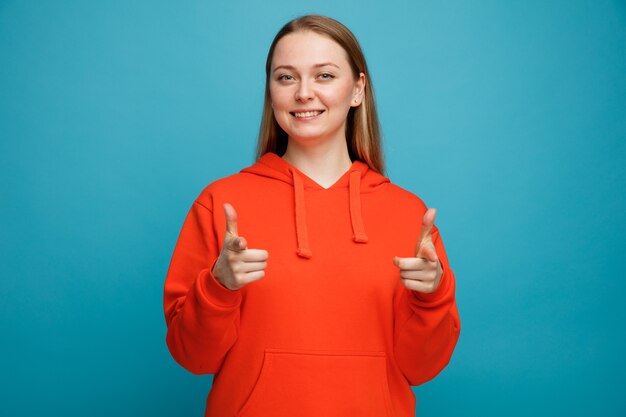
[355,208]
[301,231]
[356,218]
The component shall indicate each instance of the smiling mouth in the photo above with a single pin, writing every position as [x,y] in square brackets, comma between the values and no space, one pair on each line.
[306,114]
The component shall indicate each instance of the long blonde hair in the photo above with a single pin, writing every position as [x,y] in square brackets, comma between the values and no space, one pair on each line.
[362,128]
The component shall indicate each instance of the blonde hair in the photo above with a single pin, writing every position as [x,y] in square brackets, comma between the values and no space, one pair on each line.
[362,128]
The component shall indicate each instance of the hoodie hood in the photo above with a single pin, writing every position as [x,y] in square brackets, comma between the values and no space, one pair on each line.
[359,179]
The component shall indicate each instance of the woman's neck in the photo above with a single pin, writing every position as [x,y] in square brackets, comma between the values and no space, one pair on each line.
[323,164]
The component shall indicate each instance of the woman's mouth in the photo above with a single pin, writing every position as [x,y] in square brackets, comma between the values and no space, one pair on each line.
[307,114]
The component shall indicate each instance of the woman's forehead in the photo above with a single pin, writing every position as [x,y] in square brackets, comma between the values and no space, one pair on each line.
[307,49]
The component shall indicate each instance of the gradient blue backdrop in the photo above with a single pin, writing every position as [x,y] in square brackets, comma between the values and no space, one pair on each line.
[508,116]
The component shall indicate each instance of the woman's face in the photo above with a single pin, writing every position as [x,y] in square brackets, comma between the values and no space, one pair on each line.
[312,87]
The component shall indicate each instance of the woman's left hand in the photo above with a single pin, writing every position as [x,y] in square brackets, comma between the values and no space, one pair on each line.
[423,272]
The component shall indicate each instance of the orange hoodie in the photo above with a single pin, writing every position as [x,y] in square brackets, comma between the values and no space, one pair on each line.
[330,330]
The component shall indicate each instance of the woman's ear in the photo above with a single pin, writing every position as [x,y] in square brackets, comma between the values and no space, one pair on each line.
[359,91]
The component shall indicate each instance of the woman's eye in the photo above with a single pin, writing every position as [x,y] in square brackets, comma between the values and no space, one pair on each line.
[285,77]
[327,76]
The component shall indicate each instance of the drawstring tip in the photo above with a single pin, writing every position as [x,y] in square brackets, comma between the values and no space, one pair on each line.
[360,238]
[304,253]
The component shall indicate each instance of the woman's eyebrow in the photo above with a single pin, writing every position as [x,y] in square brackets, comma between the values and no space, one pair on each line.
[291,67]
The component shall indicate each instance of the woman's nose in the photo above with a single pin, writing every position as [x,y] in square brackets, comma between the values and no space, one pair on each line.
[304,91]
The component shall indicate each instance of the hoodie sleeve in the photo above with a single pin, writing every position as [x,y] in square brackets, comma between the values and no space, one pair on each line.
[202,316]
[427,326]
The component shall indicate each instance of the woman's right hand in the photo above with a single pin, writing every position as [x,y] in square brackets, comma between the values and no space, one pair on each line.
[237,265]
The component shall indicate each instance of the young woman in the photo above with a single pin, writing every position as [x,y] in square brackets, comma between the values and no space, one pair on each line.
[308,283]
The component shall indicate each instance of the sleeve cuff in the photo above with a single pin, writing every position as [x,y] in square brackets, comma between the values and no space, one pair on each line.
[214,292]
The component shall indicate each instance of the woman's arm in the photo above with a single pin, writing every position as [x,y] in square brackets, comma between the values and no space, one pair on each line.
[202,315]
[427,326]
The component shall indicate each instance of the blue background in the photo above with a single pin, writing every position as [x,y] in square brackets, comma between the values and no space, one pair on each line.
[508,116]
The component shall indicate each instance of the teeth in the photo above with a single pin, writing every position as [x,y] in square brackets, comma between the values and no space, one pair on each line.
[308,114]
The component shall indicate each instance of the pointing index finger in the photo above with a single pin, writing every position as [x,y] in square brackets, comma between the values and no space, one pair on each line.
[427,227]
[231,219]
[427,223]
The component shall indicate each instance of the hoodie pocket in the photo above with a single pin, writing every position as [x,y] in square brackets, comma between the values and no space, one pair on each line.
[320,383]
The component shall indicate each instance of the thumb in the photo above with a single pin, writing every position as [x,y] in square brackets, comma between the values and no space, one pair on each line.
[427,251]
[237,243]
